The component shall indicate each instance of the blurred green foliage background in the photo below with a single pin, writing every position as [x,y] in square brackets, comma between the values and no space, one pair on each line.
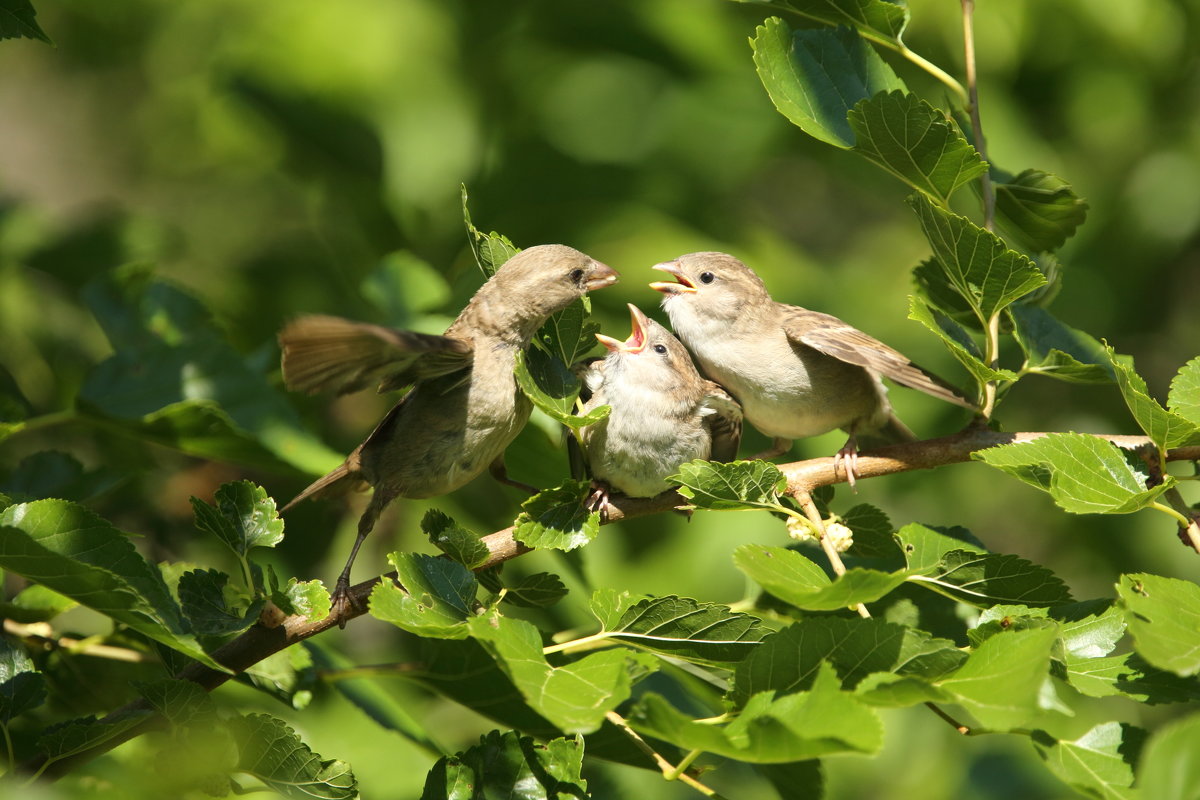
[276,158]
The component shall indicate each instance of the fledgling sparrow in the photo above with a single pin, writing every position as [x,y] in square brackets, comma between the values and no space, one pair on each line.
[796,372]
[464,407]
[663,413]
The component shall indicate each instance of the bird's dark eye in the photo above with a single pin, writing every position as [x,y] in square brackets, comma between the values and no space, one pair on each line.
[576,276]
[660,348]
[707,277]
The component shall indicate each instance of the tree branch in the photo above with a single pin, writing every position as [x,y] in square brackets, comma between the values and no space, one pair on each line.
[261,641]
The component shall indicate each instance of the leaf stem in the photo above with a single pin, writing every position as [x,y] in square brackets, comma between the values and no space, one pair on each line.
[985,180]
[992,356]
[44,421]
[583,641]
[958,726]
[682,766]
[1183,521]
[11,762]
[933,69]
[663,765]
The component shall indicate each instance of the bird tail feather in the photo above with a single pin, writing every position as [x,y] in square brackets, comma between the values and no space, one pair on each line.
[322,486]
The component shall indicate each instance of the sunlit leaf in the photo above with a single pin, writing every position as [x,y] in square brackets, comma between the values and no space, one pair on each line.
[914,142]
[1163,614]
[1084,474]
[1165,428]
[272,752]
[557,519]
[731,486]
[454,540]
[814,77]
[1170,766]
[1000,681]
[21,686]
[1097,764]
[1057,350]
[243,517]
[706,633]
[435,596]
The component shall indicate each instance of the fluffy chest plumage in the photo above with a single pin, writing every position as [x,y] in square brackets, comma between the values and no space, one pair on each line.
[645,438]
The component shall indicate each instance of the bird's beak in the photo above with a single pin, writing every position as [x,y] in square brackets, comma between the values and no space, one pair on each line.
[601,275]
[636,342]
[668,288]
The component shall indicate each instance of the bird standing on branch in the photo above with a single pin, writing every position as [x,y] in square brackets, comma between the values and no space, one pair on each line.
[464,407]
[663,413]
[796,372]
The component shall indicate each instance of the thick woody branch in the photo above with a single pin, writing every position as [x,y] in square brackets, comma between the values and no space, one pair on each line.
[262,641]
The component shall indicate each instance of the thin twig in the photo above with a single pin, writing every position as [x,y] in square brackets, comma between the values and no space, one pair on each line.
[985,180]
[835,558]
[668,769]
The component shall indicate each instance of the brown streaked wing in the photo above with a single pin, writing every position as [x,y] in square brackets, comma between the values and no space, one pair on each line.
[324,353]
[724,424]
[829,335]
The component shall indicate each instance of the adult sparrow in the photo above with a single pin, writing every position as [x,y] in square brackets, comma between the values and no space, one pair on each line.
[663,413]
[796,372]
[464,407]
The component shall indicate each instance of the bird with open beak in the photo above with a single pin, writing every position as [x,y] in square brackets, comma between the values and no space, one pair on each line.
[464,407]
[796,372]
[663,413]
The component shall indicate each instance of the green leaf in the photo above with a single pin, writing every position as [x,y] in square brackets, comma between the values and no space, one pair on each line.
[77,554]
[798,580]
[1184,398]
[788,661]
[1163,615]
[272,752]
[17,19]
[985,579]
[78,735]
[924,547]
[732,486]
[706,633]
[454,540]
[243,517]
[539,590]
[1170,768]
[1000,681]
[1084,474]
[491,250]
[287,676]
[872,532]
[568,335]
[1165,428]
[21,686]
[914,142]
[574,697]
[1040,211]
[1088,629]
[981,268]
[557,519]
[814,77]
[509,765]
[821,721]
[1097,764]
[53,474]
[553,388]
[799,780]
[36,603]
[434,597]
[876,18]
[1058,351]
[1129,675]
[209,605]
[609,605]
[309,599]
[957,341]
[181,702]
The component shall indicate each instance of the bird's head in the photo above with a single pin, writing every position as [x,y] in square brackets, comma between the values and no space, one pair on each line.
[715,286]
[651,355]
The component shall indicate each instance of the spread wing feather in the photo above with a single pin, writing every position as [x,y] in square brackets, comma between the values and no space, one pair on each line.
[322,353]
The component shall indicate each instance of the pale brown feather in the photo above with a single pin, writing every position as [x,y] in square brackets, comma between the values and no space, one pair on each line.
[833,337]
[725,425]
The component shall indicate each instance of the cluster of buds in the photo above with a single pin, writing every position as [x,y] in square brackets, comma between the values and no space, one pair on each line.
[840,536]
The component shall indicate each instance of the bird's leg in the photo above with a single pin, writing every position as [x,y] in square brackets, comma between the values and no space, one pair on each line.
[847,458]
[778,447]
[342,602]
[500,472]
[598,499]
